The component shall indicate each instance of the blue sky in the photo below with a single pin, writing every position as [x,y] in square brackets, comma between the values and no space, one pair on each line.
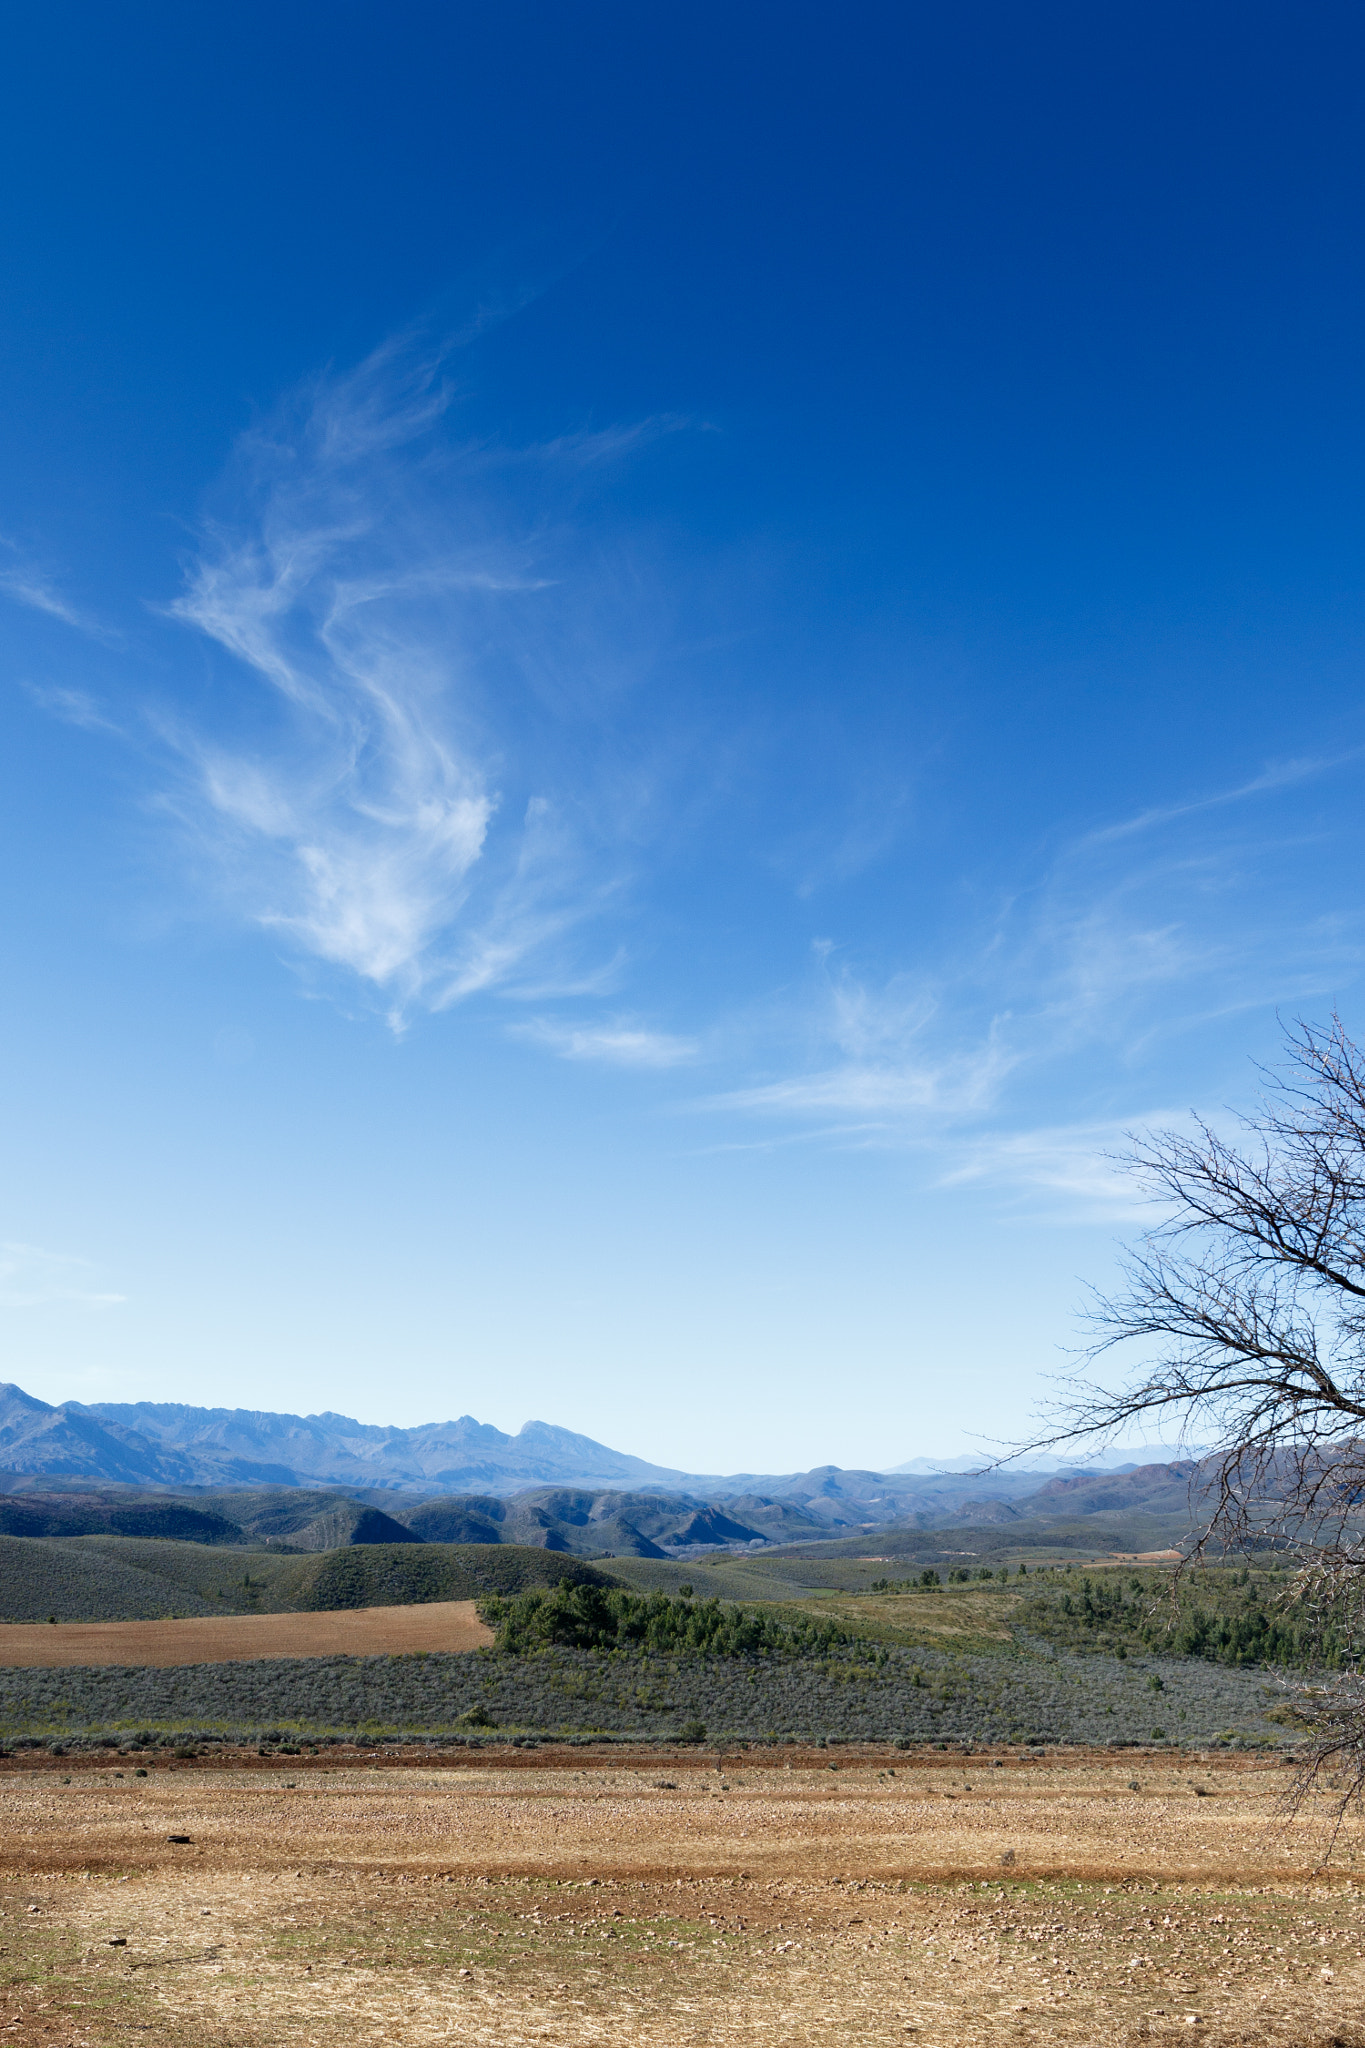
[657,667]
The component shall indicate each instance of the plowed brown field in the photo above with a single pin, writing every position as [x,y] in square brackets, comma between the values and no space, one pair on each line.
[645,1900]
[238,1638]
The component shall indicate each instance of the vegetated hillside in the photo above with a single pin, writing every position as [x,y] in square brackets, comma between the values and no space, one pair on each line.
[859,1693]
[229,1581]
[584,1522]
[387,1575]
[1153,1489]
[727,1576]
[290,1518]
[1222,1614]
[659,1525]
[297,1518]
[1080,1535]
[1245,1616]
[111,1578]
[41,1578]
[848,1501]
[1239,1614]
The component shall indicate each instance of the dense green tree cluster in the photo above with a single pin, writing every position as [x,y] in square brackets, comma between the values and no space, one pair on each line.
[1234,1622]
[596,1618]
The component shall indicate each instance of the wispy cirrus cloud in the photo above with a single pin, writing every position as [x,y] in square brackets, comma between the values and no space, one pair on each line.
[926,1087]
[883,1053]
[1077,1163]
[26,583]
[33,1278]
[619,1042]
[1017,1055]
[1276,776]
[72,707]
[378,784]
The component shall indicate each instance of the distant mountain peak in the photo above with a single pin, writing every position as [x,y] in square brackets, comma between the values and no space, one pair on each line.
[174,1443]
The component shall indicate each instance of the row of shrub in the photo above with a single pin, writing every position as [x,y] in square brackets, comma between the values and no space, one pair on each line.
[929,1580]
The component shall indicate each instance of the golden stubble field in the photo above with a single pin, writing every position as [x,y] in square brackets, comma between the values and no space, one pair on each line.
[646,1897]
[432,1625]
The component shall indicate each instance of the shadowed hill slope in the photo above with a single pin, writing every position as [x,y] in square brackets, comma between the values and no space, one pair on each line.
[40,1577]
[95,1514]
[577,1520]
[291,1518]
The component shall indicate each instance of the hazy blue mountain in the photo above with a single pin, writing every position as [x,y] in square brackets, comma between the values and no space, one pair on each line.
[545,1486]
[65,1443]
[332,1449]
[171,1443]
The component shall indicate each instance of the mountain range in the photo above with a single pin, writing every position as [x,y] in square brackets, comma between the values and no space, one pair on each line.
[174,1447]
[156,1443]
[579,1520]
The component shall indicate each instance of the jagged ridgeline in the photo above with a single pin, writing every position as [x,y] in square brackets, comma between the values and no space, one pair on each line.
[466,1482]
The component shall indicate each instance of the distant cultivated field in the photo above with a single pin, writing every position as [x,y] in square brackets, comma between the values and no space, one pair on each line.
[669,1900]
[449,1625]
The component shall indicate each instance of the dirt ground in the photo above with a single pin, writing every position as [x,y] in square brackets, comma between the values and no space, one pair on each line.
[649,1899]
[238,1638]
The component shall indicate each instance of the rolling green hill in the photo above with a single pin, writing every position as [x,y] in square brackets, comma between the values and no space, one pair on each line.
[40,1578]
[113,1578]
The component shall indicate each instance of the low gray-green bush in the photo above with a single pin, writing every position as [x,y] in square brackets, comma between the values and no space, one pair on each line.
[854,1693]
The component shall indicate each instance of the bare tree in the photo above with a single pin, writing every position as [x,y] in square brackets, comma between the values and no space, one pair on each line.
[1247,1303]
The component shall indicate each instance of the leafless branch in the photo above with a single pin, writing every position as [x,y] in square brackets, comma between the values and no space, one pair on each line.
[1246,1303]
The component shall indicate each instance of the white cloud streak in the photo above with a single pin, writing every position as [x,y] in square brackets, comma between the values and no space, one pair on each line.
[1079,1162]
[373,585]
[71,707]
[893,1066]
[618,1043]
[33,1278]
[26,584]
[1279,775]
